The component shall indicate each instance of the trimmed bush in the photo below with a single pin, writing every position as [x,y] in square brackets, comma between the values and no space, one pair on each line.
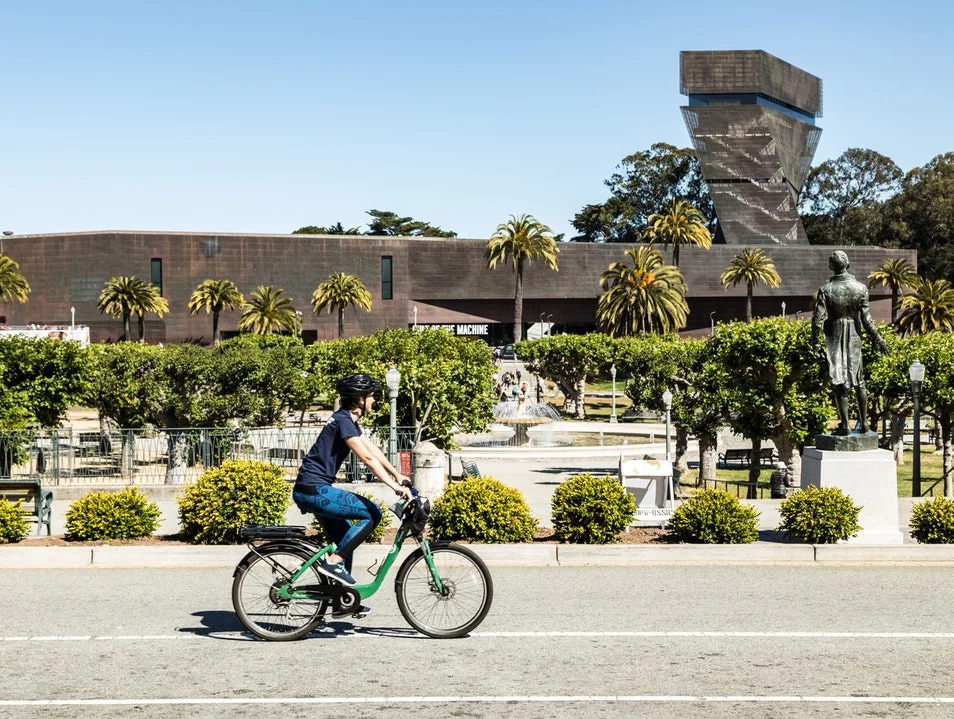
[481,509]
[932,521]
[375,535]
[225,499]
[819,515]
[13,525]
[713,516]
[128,514]
[591,510]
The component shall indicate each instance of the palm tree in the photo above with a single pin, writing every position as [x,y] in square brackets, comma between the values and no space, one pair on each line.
[679,224]
[897,274]
[520,239]
[339,291]
[13,285]
[268,312]
[150,302]
[929,309]
[214,296]
[121,296]
[753,267]
[648,297]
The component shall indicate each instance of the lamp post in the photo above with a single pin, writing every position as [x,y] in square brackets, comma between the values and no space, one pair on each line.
[72,318]
[783,310]
[414,309]
[549,325]
[613,375]
[667,404]
[393,380]
[298,317]
[916,374]
[712,323]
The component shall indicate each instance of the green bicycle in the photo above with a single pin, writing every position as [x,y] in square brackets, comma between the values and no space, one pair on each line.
[443,590]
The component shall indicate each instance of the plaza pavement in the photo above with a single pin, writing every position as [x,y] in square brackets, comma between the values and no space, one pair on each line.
[535,472]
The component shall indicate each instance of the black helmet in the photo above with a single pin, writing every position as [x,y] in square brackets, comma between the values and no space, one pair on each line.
[356,385]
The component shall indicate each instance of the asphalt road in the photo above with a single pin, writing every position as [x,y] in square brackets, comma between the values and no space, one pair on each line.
[687,641]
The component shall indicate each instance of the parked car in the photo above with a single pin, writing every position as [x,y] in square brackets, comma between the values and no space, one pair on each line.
[507,353]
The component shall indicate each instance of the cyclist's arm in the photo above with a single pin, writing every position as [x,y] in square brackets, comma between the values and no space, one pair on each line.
[374,459]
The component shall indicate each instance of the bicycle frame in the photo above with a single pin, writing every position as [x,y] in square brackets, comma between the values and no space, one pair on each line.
[287,591]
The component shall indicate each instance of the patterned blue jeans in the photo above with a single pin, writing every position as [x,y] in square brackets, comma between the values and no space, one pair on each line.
[346,517]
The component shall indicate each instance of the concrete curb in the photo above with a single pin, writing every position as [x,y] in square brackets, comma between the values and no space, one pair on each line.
[496,555]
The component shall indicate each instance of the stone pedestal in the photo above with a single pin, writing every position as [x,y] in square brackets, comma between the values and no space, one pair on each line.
[870,479]
[430,470]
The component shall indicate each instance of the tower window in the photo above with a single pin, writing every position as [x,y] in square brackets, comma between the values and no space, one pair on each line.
[387,287]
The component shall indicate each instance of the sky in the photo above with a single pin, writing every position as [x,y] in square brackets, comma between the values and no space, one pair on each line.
[261,117]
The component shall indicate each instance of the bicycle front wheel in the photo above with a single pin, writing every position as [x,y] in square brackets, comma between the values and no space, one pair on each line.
[257,602]
[458,605]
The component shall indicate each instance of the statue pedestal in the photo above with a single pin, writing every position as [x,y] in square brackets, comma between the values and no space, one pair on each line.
[870,479]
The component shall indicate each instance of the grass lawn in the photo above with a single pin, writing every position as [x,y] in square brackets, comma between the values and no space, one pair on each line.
[600,408]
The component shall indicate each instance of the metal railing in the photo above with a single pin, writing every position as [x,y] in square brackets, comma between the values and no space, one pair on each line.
[65,456]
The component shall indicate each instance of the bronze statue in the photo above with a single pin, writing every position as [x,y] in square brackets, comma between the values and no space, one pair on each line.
[841,308]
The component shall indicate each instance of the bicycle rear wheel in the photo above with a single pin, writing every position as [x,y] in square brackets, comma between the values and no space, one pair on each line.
[468,591]
[255,595]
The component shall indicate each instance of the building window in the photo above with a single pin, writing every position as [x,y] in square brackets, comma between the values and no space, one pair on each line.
[157,274]
[387,288]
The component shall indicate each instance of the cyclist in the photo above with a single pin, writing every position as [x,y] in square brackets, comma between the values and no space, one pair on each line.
[314,490]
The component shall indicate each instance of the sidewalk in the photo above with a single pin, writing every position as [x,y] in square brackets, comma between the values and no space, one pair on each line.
[536,478]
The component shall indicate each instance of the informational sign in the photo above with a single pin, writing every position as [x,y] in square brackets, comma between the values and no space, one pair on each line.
[461,330]
[650,483]
[78,334]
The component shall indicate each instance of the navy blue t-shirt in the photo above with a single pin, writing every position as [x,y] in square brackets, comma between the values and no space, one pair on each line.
[329,451]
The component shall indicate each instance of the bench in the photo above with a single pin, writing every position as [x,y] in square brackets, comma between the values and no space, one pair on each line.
[37,502]
[743,457]
[284,455]
[642,415]
[469,469]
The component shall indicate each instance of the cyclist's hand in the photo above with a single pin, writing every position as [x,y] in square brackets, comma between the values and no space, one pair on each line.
[405,489]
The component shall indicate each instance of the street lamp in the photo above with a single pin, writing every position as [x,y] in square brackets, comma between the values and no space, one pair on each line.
[414,309]
[783,310]
[916,373]
[667,404]
[613,375]
[298,316]
[712,323]
[72,319]
[393,380]
[549,325]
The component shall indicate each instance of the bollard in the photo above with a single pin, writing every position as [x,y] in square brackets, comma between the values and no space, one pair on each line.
[430,470]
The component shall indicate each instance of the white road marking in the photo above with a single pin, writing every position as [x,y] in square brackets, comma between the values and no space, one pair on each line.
[359,634]
[658,699]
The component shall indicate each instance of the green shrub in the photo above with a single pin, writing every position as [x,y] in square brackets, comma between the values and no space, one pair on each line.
[819,515]
[112,515]
[713,516]
[375,535]
[482,509]
[591,510]
[932,521]
[13,525]
[225,499]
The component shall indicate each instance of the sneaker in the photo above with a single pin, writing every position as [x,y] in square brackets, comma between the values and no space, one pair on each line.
[361,611]
[335,571]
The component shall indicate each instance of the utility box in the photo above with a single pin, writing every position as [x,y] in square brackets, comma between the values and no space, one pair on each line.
[430,470]
[650,482]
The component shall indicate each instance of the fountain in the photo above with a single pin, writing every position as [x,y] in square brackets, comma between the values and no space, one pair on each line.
[521,416]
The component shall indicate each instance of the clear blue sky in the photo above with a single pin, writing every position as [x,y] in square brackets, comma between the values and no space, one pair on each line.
[265,116]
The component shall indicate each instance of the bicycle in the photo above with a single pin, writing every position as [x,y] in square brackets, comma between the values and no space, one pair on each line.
[443,590]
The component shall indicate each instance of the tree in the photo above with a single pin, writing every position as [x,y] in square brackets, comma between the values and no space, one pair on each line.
[753,267]
[121,296]
[645,181]
[648,297]
[267,311]
[52,375]
[842,199]
[679,224]
[150,302]
[930,308]
[335,229]
[339,291]
[519,241]
[569,361]
[214,296]
[897,274]
[13,285]
[389,223]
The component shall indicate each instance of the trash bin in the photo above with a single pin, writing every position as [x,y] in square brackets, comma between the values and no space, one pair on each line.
[430,470]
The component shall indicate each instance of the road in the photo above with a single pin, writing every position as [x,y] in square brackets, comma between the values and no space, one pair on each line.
[688,641]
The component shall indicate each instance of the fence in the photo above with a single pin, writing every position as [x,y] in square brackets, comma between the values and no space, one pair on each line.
[168,456]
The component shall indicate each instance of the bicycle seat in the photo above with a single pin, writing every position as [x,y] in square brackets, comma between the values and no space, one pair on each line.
[274,531]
